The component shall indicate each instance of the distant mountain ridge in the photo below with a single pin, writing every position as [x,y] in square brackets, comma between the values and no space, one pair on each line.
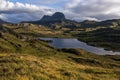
[3,22]
[58,19]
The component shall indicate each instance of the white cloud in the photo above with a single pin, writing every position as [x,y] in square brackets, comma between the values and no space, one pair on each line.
[45,1]
[19,11]
[95,9]
[73,9]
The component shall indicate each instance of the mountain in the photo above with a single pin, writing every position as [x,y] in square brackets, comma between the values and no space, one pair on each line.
[57,17]
[58,20]
[2,21]
[106,23]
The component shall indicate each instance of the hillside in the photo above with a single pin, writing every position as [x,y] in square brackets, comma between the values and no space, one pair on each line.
[33,30]
[23,57]
[109,38]
[60,65]
[13,42]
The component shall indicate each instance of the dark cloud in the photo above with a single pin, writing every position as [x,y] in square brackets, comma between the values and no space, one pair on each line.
[15,12]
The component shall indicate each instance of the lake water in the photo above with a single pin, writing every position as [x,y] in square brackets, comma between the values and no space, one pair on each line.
[74,43]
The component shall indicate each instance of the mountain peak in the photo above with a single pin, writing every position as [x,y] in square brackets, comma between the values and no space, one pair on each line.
[57,17]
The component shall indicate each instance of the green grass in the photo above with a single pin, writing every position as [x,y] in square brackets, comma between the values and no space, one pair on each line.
[30,59]
[56,67]
[107,38]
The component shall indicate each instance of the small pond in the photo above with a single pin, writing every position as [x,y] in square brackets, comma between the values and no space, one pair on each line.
[74,43]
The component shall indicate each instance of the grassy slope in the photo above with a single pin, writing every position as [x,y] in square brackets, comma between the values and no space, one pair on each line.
[31,30]
[108,38]
[10,42]
[55,67]
[35,60]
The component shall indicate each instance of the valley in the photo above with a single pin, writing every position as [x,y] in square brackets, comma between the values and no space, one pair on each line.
[24,57]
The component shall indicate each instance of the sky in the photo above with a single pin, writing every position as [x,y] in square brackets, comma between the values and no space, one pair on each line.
[79,10]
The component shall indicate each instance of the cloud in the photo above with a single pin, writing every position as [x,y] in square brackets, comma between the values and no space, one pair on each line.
[20,12]
[73,9]
[94,9]
[45,1]
[55,2]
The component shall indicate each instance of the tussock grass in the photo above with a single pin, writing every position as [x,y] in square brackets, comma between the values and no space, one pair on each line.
[27,67]
[31,59]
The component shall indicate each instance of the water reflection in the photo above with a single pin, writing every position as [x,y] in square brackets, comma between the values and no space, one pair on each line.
[74,43]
